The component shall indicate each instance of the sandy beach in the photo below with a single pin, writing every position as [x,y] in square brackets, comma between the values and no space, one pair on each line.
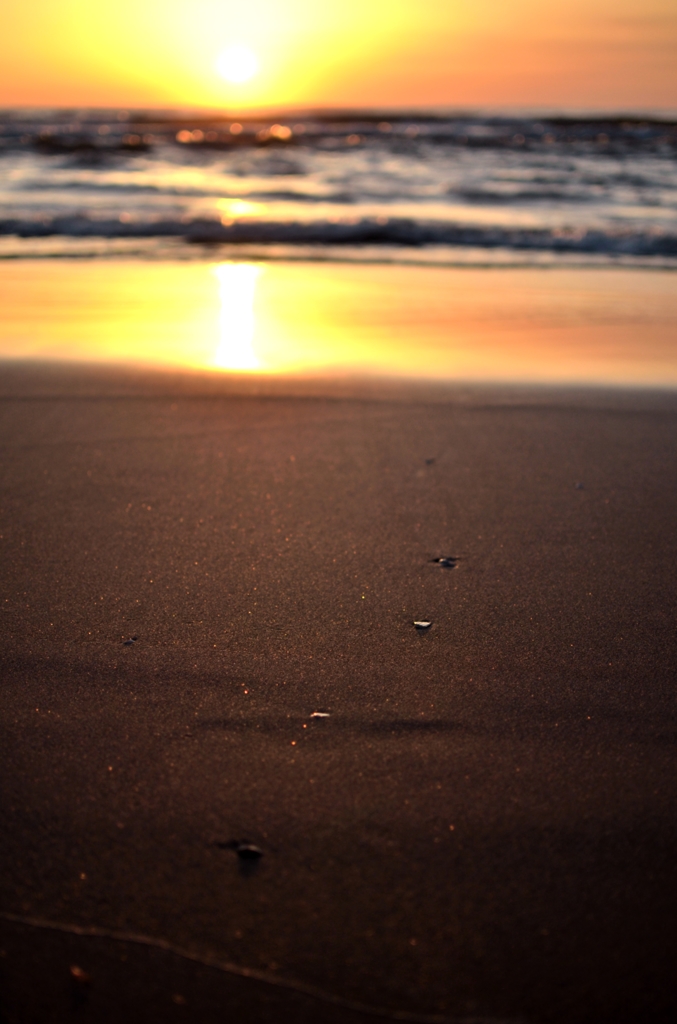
[483,828]
[338,512]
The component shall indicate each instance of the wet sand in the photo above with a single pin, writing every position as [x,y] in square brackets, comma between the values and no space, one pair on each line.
[575,326]
[484,827]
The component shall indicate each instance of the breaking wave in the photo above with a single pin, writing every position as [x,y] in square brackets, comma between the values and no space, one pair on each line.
[367,231]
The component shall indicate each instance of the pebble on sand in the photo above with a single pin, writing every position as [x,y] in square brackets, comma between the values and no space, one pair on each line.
[245,850]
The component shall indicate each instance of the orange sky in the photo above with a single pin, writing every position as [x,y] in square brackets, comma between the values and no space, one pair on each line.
[600,54]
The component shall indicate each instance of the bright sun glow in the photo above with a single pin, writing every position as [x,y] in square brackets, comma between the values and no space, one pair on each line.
[237,64]
[124,54]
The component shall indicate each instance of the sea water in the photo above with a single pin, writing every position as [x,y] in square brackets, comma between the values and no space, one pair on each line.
[439,246]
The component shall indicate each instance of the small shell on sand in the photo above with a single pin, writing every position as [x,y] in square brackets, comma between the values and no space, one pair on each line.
[247,851]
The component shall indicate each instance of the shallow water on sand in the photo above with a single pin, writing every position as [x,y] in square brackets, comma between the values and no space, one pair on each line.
[563,325]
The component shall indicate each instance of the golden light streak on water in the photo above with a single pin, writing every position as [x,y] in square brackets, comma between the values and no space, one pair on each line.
[237,287]
[613,326]
[232,209]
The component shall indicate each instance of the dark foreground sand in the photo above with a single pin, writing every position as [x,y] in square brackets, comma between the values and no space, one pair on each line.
[486,825]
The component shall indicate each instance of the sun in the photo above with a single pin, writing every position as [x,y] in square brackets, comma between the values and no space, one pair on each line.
[237,63]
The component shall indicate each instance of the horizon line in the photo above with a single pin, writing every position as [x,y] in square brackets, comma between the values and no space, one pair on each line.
[376,110]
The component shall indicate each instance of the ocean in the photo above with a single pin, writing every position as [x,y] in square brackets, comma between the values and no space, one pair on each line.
[476,248]
[435,188]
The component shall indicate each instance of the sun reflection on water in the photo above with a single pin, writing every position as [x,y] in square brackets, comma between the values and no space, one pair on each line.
[237,324]
[233,209]
[444,323]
